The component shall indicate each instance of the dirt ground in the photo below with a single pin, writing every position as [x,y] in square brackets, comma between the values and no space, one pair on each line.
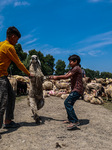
[94,133]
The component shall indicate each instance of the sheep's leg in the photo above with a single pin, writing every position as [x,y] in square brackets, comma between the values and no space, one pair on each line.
[34,110]
[37,118]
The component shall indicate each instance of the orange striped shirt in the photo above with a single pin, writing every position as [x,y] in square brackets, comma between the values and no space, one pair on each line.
[8,54]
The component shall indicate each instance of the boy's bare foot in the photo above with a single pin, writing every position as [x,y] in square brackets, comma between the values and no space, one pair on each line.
[72,125]
[77,123]
[66,122]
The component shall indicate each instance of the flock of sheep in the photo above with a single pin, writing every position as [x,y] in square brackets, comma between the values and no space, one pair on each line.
[94,90]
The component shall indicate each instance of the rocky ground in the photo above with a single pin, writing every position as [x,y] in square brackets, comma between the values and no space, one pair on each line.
[94,133]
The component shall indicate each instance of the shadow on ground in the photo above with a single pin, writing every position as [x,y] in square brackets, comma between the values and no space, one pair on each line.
[43,119]
[83,121]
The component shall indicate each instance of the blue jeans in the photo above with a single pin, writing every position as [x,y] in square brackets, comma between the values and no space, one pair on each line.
[69,102]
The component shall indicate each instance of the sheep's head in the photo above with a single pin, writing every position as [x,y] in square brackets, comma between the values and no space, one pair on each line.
[34,60]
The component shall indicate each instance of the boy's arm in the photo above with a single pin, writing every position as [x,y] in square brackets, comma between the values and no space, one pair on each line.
[66,76]
[11,53]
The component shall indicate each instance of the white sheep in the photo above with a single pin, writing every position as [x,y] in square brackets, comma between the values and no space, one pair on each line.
[35,98]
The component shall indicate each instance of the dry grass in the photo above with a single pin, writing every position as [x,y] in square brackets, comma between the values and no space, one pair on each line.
[107,104]
[19,98]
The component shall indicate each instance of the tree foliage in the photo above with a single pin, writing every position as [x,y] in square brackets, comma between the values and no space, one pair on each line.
[22,55]
[47,62]
[106,75]
[91,73]
[60,67]
[13,69]
[67,69]
[47,65]
[96,74]
[33,52]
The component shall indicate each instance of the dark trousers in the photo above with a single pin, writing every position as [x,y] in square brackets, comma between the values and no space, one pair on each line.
[69,102]
[7,100]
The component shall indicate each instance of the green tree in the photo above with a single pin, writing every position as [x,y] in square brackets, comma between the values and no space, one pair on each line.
[13,69]
[42,60]
[22,55]
[90,73]
[106,75]
[60,67]
[49,64]
[33,52]
[96,74]
[26,62]
[68,68]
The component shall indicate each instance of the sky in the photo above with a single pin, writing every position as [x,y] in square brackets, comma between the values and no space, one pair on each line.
[62,28]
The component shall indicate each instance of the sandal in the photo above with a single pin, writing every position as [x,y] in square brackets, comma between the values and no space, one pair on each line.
[66,122]
[77,123]
[71,126]
[12,124]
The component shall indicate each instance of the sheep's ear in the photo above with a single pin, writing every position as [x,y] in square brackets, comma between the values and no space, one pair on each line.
[39,62]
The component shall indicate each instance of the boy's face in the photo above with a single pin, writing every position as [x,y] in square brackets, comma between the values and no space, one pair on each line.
[72,63]
[14,39]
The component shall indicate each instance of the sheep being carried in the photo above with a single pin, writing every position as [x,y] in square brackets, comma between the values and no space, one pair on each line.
[35,98]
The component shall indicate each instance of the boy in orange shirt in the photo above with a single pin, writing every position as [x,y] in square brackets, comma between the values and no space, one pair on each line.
[7,96]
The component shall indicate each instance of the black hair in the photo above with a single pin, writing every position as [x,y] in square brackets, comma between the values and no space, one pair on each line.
[80,65]
[13,30]
[74,58]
